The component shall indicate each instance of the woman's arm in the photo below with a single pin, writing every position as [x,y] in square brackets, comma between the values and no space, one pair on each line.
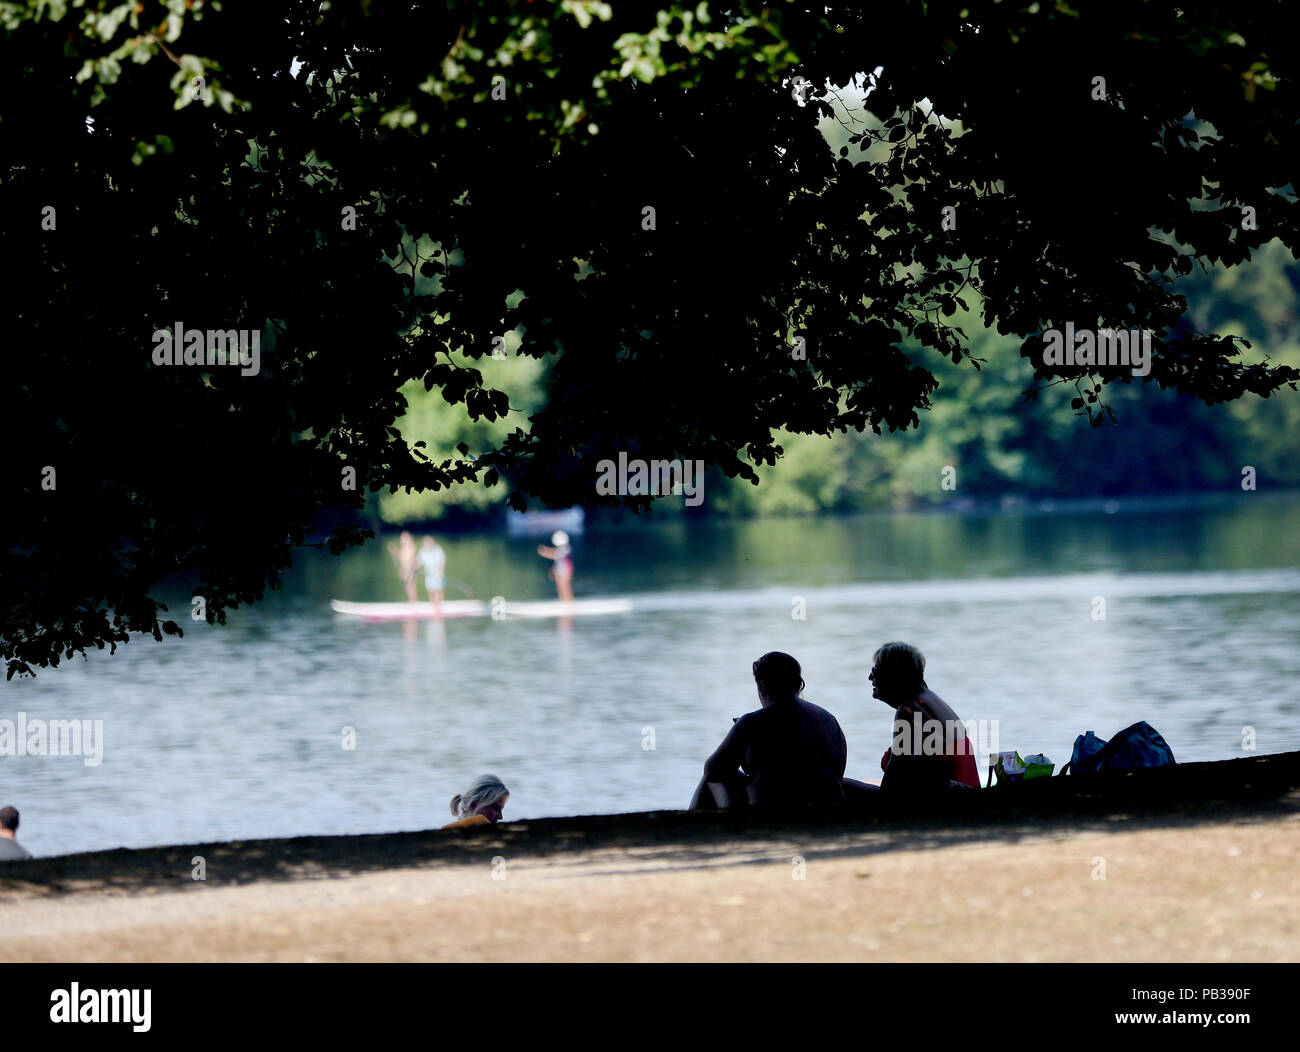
[727,757]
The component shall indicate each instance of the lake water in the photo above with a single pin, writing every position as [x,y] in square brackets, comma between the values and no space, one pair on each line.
[237,732]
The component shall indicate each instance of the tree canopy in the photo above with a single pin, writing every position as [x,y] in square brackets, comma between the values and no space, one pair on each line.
[639,193]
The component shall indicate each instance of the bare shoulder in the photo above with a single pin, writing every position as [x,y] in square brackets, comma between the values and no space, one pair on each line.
[936,706]
[908,711]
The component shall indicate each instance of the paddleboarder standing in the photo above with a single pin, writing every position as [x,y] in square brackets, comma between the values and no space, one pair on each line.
[434,561]
[404,554]
[562,572]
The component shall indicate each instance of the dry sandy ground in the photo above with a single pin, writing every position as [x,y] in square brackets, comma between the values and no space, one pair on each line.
[1210,891]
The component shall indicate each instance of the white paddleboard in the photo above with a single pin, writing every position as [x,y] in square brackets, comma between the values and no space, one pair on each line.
[423,611]
[409,611]
[577,608]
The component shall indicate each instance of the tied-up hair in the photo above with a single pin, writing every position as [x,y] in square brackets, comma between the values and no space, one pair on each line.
[485,790]
[778,675]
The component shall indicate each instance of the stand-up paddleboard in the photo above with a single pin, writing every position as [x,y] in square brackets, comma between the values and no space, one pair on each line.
[577,608]
[423,611]
[409,611]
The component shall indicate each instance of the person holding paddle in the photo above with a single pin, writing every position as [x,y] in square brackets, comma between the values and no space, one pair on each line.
[434,561]
[562,572]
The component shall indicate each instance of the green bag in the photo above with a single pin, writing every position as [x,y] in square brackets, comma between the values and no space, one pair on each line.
[1008,767]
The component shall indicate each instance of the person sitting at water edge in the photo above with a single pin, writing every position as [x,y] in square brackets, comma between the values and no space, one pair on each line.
[792,751]
[929,748]
[10,849]
[562,572]
[434,561]
[481,804]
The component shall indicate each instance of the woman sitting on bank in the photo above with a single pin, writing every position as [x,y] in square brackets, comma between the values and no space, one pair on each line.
[792,751]
[480,804]
[929,749]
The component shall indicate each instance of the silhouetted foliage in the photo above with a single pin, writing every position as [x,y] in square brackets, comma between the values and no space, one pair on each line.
[220,205]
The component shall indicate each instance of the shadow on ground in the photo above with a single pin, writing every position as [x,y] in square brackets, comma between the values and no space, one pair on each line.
[1250,790]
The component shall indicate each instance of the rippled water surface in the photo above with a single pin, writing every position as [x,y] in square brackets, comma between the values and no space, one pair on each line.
[237,732]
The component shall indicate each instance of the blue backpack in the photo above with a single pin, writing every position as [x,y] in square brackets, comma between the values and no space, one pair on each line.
[1140,745]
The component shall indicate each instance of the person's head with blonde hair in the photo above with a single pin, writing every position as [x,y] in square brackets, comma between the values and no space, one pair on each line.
[898,673]
[487,796]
